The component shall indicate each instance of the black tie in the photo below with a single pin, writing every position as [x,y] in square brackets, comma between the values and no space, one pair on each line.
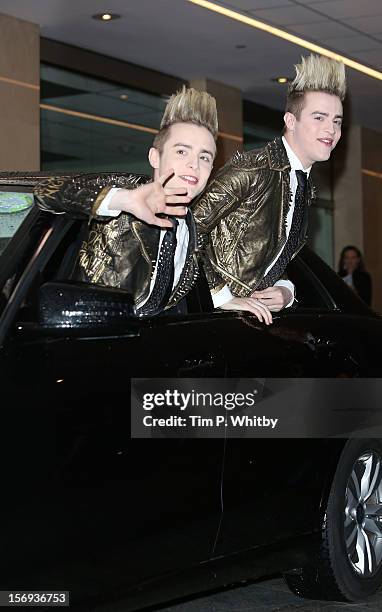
[164,279]
[291,244]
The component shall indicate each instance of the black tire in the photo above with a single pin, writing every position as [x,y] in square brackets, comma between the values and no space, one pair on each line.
[339,572]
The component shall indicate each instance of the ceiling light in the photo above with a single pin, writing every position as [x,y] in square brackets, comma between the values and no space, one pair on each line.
[106,16]
[123,97]
[281,80]
[301,42]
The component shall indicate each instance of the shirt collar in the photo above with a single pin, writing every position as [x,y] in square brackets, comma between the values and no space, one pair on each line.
[294,161]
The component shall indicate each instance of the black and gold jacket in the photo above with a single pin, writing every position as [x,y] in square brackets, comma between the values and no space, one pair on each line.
[241,218]
[119,251]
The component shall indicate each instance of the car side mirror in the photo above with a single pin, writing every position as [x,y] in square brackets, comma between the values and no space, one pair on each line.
[81,305]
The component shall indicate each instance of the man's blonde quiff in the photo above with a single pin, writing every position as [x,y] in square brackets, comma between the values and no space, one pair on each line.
[315,73]
[188,106]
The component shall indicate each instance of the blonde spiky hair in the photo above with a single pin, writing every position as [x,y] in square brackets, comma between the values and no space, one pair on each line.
[319,73]
[188,106]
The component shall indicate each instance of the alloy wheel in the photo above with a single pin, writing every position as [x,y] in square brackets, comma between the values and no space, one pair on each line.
[363,515]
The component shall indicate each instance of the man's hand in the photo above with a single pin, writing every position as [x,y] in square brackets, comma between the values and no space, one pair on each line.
[275,298]
[146,201]
[249,304]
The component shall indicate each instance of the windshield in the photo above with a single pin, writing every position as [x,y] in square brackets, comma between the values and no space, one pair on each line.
[16,204]
[14,207]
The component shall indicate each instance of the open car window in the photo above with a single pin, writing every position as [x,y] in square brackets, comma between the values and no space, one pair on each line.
[24,227]
[311,294]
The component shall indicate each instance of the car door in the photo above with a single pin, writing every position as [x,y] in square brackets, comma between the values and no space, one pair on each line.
[273,488]
[105,509]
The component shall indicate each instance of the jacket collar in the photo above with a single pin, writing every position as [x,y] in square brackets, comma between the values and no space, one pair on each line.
[278,160]
[277,155]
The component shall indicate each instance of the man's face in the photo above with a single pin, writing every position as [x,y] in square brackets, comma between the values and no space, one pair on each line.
[190,151]
[316,132]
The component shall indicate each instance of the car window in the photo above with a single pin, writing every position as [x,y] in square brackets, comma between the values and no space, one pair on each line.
[310,292]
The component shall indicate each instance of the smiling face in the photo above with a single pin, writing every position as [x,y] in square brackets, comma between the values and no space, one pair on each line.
[315,133]
[190,150]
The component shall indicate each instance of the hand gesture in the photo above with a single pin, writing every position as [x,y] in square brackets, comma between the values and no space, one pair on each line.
[147,201]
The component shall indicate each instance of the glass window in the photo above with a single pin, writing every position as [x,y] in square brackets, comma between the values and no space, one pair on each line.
[257,136]
[90,124]
[260,125]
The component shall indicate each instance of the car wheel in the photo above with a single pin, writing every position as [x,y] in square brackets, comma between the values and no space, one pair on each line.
[348,566]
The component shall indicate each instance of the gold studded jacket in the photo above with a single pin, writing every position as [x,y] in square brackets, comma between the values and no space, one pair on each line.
[118,252]
[241,218]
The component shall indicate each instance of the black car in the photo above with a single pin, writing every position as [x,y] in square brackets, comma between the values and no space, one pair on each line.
[88,509]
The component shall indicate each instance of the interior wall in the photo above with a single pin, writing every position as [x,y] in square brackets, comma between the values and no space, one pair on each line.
[19,94]
[358,201]
[347,191]
[372,209]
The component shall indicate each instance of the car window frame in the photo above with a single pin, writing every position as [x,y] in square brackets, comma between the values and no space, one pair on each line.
[328,303]
[332,286]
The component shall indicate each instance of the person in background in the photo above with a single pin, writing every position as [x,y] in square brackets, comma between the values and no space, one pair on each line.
[351,268]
